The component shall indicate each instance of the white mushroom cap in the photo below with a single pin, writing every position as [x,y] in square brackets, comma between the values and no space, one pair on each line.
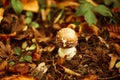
[66,38]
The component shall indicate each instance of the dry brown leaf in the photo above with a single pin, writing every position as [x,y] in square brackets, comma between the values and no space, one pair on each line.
[21,68]
[3,72]
[114,35]
[67,3]
[18,77]
[40,70]
[61,61]
[113,28]
[114,31]
[69,18]
[95,29]
[36,56]
[3,65]
[113,60]
[69,71]
[6,36]
[30,5]
[117,48]
[90,77]
[85,28]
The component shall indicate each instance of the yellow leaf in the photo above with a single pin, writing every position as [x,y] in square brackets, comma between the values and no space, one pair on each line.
[1,13]
[30,5]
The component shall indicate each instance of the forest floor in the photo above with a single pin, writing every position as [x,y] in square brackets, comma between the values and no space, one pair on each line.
[23,48]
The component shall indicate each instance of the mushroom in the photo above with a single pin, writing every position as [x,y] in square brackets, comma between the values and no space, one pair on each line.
[67,40]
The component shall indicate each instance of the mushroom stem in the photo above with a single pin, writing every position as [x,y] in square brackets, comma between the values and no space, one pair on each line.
[67,52]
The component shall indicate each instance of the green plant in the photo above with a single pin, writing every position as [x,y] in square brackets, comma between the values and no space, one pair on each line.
[17,6]
[29,16]
[116,3]
[88,10]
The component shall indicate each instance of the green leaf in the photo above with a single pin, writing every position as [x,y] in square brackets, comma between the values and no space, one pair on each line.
[116,3]
[24,44]
[42,3]
[117,65]
[34,24]
[21,59]
[29,14]
[83,8]
[17,51]
[17,6]
[11,63]
[103,10]
[108,2]
[90,17]
[28,58]
[28,20]
[77,23]
[32,47]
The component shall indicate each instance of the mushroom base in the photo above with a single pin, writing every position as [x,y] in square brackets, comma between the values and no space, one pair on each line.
[69,52]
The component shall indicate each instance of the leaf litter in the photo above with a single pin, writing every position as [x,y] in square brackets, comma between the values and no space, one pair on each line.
[28,52]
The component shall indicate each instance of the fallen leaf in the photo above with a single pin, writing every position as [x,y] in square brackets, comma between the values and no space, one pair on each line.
[114,35]
[21,68]
[67,3]
[5,50]
[36,56]
[114,31]
[6,36]
[3,65]
[1,13]
[90,77]
[113,60]
[3,72]
[18,77]
[95,29]
[113,28]
[39,71]
[85,28]
[117,48]
[61,61]
[28,3]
